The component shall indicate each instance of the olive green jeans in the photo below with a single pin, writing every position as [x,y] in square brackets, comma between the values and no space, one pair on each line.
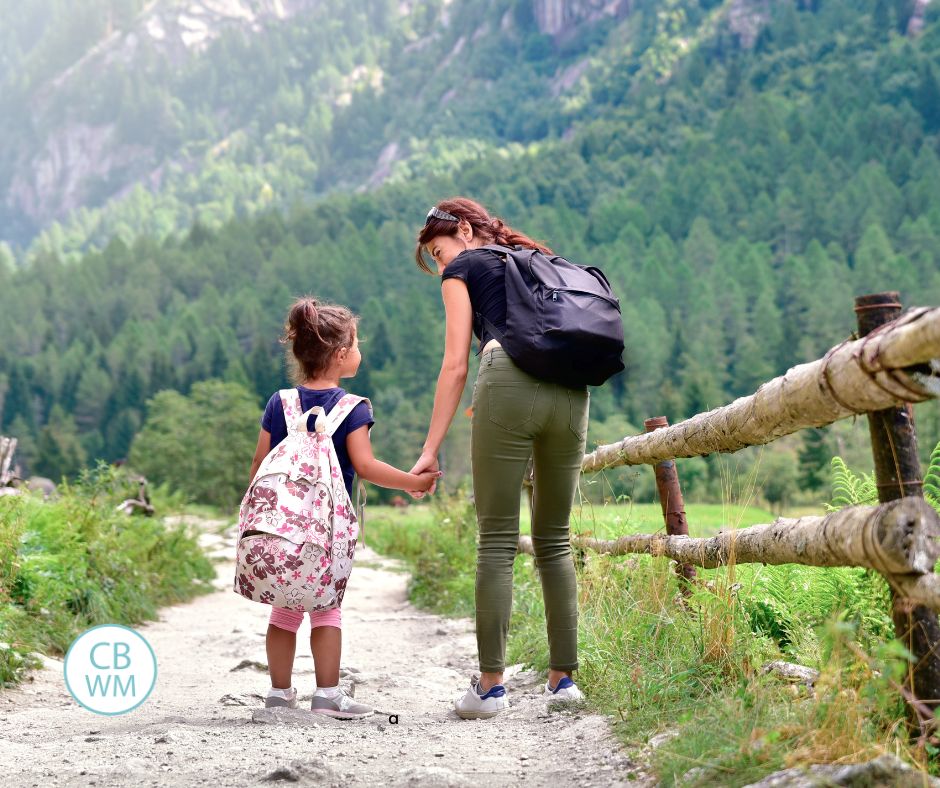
[516,416]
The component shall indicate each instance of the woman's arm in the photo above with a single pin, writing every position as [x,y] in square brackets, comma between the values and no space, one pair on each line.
[453,375]
[381,473]
[261,451]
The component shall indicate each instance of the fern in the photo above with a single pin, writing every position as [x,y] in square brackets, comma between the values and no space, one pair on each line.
[850,489]
[932,479]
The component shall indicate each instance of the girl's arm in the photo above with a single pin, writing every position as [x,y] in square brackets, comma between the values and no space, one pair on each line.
[261,451]
[453,375]
[381,473]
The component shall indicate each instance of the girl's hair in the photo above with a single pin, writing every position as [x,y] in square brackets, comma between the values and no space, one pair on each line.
[315,332]
[488,228]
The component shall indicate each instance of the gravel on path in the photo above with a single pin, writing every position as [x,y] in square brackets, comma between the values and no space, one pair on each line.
[205,723]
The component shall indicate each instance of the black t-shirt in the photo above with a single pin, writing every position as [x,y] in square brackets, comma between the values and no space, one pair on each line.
[484,273]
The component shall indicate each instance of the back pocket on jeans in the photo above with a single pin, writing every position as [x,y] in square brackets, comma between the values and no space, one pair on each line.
[510,405]
[578,404]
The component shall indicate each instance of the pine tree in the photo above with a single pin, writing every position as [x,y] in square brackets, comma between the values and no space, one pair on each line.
[875,266]
[927,97]
[59,448]
[18,402]
[814,457]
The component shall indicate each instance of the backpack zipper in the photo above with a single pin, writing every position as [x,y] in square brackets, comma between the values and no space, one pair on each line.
[557,290]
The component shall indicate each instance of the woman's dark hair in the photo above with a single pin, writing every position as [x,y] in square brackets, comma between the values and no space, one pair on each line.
[488,228]
[315,332]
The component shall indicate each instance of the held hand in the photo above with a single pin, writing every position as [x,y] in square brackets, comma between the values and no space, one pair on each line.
[426,463]
[427,481]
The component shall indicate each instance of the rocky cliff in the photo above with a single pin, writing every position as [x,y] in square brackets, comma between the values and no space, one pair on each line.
[557,16]
[80,162]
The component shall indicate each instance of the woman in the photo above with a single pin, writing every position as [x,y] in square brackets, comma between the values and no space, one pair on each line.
[515,417]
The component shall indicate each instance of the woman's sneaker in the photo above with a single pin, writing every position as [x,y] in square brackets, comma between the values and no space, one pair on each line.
[286,698]
[342,707]
[566,691]
[479,705]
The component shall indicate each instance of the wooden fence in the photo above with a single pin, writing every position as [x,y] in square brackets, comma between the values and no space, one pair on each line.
[895,361]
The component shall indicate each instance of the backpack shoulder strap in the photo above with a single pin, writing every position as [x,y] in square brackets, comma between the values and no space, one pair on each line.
[499,248]
[494,331]
[341,410]
[290,404]
[296,419]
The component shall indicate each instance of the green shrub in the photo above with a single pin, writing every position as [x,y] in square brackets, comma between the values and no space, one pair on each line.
[74,562]
[201,444]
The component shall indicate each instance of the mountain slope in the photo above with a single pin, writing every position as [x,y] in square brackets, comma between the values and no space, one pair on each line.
[204,110]
[739,184]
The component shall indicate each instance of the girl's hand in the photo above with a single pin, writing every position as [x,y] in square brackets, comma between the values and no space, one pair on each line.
[426,462]
[426,482]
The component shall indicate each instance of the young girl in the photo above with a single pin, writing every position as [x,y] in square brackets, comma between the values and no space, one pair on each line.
[325,348]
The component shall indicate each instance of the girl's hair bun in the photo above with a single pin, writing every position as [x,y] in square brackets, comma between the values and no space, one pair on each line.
[316,331]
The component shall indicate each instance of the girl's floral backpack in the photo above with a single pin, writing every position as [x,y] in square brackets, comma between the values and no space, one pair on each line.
[296,527]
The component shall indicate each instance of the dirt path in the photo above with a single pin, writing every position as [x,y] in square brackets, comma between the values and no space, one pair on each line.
[194,731]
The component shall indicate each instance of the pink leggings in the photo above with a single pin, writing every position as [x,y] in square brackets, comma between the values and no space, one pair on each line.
[291,619]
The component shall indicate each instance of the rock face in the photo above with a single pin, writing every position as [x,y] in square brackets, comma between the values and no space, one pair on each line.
[55,180]
[57,174]
[916,23]
[555,17]
[746,18]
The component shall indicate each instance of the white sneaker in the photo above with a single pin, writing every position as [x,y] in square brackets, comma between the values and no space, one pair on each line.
[342,707]
[566,691]
[286,698]
[474,706]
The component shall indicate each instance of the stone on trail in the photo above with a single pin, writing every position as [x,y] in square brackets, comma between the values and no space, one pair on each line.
[241,699]
[661,738]
[433,777]
[522,680]
[281,715]
[310,771]
[250,663]
[282,773]
[791,672]
[884,771]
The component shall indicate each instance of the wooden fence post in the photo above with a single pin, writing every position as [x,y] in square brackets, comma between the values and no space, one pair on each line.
[7,449]
[897,474]
[670,497]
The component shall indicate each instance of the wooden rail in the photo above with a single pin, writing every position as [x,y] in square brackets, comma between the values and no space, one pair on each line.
[883,370]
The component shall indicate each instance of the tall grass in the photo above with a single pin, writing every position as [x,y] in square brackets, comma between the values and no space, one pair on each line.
[657,660]
[74,562]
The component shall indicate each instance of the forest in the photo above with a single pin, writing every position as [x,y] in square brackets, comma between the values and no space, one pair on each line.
[737,197]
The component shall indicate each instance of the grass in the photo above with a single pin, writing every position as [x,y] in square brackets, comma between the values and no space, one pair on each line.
[654,660]
[612,520]
[74,562]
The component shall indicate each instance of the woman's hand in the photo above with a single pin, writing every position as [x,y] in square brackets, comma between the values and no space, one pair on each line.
[426,463]
[426,481]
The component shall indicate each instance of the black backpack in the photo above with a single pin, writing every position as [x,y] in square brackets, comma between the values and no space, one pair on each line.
[563,321]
